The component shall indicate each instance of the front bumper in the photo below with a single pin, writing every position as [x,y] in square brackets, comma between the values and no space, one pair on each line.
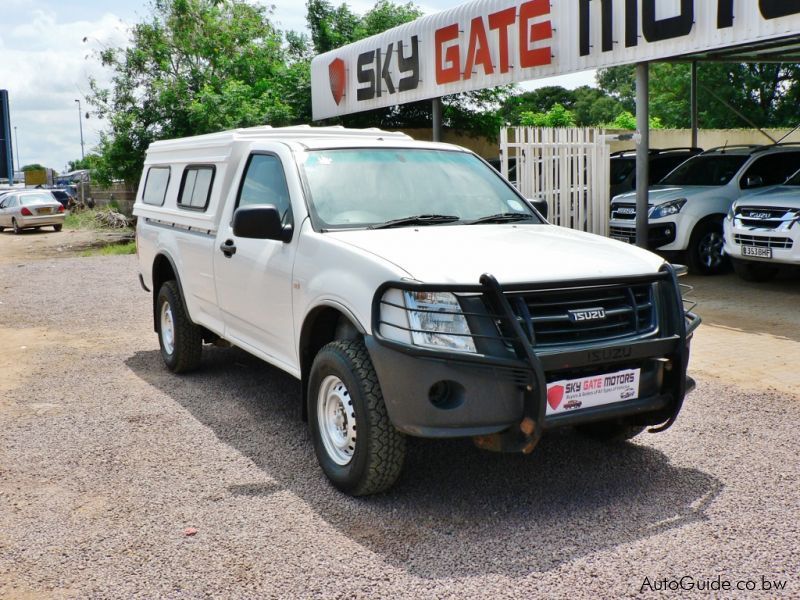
[488,394]
[784,245]
[659,235]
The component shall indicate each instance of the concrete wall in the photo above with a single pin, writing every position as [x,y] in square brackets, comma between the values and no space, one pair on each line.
[659,138]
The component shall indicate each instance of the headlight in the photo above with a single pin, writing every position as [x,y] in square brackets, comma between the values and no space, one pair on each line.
[673,207]
[426,319]
[438,321]
[730,213]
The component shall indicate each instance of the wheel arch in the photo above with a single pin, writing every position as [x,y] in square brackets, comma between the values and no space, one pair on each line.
[323,324]
[164,270]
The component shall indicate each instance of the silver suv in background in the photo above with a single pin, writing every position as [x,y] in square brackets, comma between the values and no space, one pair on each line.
[688,206]
[762,231]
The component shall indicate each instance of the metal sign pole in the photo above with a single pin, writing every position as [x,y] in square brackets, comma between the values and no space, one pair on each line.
[437,119]
[642,152]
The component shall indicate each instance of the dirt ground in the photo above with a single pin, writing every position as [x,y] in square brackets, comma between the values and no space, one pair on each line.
[46,243]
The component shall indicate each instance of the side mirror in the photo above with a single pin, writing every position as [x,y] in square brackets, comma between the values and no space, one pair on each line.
[540,205]
[754,181]
[260,223]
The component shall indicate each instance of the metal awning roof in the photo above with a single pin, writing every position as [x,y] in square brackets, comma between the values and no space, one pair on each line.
[785,49]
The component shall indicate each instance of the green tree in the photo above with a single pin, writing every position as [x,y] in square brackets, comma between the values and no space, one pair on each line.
[194,66]
[557,116]
[589,106]
[767,94]
[32,167]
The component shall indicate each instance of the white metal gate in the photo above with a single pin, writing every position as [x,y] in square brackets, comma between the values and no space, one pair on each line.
[569,168]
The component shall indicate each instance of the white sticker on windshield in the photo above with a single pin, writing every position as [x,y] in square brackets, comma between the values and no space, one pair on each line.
[515,205]
[324,160]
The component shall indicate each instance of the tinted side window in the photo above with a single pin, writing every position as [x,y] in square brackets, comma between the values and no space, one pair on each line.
[196,187]
[265,183]
[771,170]
[155,186]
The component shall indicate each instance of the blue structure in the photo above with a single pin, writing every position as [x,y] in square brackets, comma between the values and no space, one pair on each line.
[6,155]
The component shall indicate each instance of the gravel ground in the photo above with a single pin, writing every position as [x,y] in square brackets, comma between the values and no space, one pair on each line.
[106,459]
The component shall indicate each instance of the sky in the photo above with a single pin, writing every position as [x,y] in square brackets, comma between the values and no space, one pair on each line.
[45,65]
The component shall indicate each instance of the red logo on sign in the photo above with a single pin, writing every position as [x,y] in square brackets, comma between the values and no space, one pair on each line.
[555,395]
[338,76]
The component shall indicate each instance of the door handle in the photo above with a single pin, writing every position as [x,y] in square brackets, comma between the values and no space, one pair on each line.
[228,248]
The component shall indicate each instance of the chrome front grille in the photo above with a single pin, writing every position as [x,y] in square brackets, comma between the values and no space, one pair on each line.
[763,241]
[623,211]
[587,315]
[754,217]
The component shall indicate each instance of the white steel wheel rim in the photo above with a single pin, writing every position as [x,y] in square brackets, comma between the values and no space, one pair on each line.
[336,417]
[167,328]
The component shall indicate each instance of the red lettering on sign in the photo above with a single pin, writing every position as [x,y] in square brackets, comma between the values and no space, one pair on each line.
[501,21]
[533,32]
[448,64]
[478,52]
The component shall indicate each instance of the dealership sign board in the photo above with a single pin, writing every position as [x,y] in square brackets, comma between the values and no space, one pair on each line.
[486,43]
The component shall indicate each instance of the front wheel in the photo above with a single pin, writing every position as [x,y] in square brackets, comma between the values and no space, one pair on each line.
[57,227]
[706,254]
[753,271]
[181,340]
[356,444]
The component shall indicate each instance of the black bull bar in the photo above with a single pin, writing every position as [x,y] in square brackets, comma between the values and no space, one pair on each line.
[671,344]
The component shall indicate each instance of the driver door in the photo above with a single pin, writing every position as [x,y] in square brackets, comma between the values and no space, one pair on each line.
[254,282]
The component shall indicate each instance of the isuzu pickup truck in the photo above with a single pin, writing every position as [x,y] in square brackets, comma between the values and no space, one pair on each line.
[411,289]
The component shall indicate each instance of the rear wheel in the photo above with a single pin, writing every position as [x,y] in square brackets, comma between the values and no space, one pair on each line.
[57,227]
[754,271]
[705,254]
[181,340]
[610,431]
[15,226]
[356,444]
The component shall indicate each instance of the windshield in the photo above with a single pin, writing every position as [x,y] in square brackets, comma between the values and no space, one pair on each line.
[29,199]
[362,187]
[794,179]
[715,169]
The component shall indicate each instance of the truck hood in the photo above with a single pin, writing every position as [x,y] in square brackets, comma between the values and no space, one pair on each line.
[460,254]
[664,193]
[783,196]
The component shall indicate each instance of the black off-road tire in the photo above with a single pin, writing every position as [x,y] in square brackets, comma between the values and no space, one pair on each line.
[17,229]
[754,271]
[57,227]
[187,346]
[377,459]
[610,431]
[705,255]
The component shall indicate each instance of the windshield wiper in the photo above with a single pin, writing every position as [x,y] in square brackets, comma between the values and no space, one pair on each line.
[416,220]
[502,218]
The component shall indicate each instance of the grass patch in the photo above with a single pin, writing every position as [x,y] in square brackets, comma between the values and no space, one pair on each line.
[87,220]
[111,250]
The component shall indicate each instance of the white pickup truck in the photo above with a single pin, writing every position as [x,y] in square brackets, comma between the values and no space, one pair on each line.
[410,288]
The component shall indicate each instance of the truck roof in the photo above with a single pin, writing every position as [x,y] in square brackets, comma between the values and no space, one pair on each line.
[305,136]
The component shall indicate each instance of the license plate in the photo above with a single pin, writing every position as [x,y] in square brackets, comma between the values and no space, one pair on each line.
[45,211]
[756,252]
[621,238]
[573,394]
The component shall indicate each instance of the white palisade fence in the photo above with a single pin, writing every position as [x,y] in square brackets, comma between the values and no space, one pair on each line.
[567,167]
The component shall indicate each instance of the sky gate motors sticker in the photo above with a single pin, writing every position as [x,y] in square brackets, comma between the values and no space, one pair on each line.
[572,394]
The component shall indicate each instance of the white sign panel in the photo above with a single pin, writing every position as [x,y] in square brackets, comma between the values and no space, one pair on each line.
[573,394]
[486,43]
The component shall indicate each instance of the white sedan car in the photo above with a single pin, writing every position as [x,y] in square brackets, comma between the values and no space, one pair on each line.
[30,209]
